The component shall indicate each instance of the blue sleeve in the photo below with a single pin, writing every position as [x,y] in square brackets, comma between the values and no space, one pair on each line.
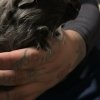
[87,23]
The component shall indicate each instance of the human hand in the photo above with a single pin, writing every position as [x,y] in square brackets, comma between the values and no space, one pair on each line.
[34,71]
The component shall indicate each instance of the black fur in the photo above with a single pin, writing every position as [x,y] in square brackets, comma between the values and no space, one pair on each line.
[25,23]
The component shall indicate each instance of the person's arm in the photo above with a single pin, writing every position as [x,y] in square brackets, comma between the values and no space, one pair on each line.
[87,23]
[46,70]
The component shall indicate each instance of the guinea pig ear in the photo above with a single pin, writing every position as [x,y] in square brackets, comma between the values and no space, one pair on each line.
[24,3]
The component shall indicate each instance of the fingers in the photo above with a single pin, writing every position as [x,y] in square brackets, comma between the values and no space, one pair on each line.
[25,92]
[8,58]
[28,57]
[34,89]
[19,59]
[13,78]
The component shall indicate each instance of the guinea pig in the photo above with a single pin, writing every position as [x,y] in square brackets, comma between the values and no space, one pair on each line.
[29,23]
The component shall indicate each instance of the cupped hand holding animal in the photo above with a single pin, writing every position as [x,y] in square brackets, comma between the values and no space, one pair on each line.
[32,72]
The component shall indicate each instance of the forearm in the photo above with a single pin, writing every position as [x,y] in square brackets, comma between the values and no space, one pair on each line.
[87,23]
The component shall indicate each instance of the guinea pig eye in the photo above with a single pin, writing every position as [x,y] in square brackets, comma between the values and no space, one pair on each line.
[26,4]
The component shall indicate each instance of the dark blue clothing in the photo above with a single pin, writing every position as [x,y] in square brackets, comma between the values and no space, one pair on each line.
[84,82]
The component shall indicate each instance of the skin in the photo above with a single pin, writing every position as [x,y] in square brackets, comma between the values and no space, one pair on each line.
[33,72]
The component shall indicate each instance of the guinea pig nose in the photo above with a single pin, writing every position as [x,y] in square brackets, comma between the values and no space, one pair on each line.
[42,30]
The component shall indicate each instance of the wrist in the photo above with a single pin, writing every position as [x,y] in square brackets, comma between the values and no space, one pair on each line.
[77,43]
